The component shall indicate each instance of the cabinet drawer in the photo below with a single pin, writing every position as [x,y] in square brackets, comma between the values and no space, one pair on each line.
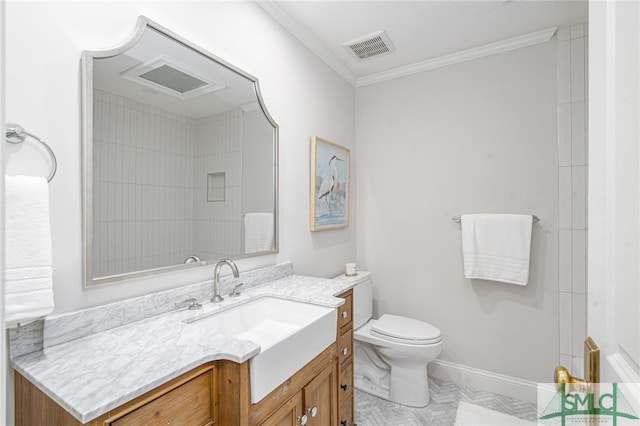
[188,404]
[345,386]
[345,311]
[345,412]
[345,346]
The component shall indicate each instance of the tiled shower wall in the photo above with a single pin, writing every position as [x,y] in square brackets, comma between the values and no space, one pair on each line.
[218,149]
[150,169]
[572,172]
[143,171]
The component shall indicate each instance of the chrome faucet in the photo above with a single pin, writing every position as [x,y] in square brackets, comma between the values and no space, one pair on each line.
[216,278]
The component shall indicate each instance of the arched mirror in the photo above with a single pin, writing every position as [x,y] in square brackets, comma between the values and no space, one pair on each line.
[180,159]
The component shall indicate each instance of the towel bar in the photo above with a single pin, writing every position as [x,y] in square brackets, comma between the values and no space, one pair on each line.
[14,133]
[457,219]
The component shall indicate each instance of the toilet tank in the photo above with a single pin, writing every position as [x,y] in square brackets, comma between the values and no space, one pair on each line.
[362,297]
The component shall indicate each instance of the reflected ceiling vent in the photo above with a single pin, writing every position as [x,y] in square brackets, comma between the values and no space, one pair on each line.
[161,74]
[371,45]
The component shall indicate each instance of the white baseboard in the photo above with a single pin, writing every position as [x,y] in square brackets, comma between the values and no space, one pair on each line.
[513,387]
[626,375]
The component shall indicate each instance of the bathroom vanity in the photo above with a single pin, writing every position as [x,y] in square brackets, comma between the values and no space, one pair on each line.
[216,393]
[165,370]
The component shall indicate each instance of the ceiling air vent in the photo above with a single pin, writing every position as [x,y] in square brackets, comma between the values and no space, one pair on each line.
[163,75]
[371,45]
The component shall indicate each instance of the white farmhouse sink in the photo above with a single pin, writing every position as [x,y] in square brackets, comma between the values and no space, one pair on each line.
[290,334]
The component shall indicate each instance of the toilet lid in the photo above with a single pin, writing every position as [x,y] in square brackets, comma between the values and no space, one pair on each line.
[406,330]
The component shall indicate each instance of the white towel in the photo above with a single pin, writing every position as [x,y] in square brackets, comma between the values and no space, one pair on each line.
[497,247]
[28,258]
[258,232]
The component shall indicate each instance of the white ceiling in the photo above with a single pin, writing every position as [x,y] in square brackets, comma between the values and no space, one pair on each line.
[420,30]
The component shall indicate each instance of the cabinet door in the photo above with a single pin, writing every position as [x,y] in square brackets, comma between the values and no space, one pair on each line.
[188,404]
[321,398]
[346,411]
[289,414]
[346,380]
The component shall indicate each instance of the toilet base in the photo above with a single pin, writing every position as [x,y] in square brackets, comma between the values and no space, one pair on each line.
[406,386]
[364,385]
[409,386]
[411,396]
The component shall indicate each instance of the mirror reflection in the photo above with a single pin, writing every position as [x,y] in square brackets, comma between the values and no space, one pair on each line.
[180,159]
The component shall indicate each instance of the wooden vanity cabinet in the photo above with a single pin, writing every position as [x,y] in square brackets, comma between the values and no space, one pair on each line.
[219,394]
[345,360]
[190,399]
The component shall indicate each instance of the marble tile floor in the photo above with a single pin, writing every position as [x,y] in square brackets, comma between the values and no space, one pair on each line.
[445,397]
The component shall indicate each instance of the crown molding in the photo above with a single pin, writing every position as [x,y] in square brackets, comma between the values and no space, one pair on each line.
[280,16]
[307,39]
[462,56]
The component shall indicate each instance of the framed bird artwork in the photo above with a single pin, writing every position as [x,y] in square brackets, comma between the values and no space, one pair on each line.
[329,185]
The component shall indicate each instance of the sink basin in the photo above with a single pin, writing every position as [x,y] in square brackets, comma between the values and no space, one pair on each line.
[290,334]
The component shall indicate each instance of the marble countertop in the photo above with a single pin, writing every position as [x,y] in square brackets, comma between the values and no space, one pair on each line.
[91,375]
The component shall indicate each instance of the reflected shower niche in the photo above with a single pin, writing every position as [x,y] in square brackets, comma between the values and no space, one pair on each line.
[178,148]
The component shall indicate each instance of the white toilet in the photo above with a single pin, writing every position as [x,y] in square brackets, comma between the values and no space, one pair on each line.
[391,353]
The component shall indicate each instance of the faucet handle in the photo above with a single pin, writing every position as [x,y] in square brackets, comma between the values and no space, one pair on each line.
[235,292]
[193,303]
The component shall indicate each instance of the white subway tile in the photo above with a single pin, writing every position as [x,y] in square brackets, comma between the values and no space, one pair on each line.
[112,123]
[578,134]
[111,161]
[564,217]
[104,202]
[565,323]
[118,160]
[564,72]
[564,33]
[577,30]
[111,246]
[579,197]
[565,264]
[578,78]
[579,323]
[566,361]
[579,261]
[97,118]
[564,134]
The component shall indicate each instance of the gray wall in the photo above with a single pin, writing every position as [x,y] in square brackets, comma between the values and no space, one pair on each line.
[475,137]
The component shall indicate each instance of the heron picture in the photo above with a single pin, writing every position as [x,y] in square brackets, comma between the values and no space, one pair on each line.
[329,185]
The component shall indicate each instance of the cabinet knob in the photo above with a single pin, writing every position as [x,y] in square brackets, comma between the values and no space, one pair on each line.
[345,314]
[343,387]
[313,411]
[344,351]
[302,420]
[343,422]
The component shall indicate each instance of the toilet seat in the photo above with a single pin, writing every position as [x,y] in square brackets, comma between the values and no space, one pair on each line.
[405,330]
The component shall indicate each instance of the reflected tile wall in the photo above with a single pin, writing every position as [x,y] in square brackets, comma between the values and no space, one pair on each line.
[143,160]
[150,169]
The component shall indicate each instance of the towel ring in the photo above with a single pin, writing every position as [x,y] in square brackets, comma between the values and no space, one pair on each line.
[14,133]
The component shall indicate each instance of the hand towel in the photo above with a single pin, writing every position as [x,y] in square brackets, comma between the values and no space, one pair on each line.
[497,247]
[28,257]
[258,232]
